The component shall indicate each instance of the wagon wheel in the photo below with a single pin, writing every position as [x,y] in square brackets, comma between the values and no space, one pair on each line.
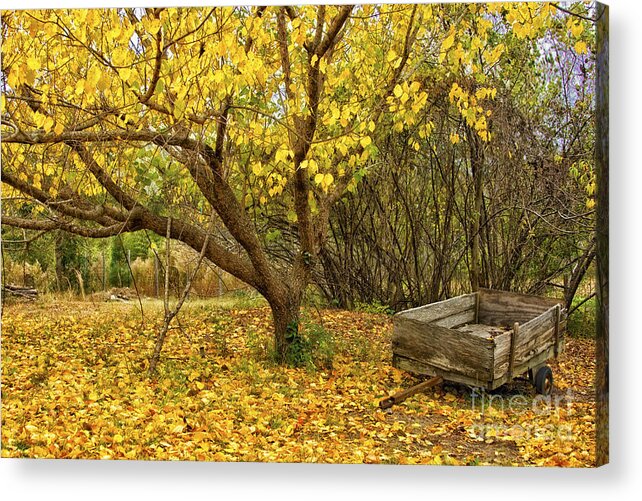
[544,380]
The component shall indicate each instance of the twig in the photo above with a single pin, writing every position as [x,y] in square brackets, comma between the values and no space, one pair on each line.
[170,313]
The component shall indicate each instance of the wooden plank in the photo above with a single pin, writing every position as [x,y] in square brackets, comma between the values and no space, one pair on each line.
[454,321]
[445,349]
[536,332]
[442,309]
[523,367]
[514,339]
[524,354]
[535,345]
[481,330]
[476,308]
[421,368]
[558,315]
[542,322]
[505,308]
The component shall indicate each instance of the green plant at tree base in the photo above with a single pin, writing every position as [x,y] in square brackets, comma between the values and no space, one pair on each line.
[312,348]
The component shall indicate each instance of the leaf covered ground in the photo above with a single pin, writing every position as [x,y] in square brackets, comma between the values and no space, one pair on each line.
[74,385]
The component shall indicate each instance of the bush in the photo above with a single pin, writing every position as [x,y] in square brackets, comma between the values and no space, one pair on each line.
[374,307]
[313,347]
[581,322]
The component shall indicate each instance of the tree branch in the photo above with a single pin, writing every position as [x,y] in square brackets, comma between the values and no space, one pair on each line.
[70,205]
[49,225]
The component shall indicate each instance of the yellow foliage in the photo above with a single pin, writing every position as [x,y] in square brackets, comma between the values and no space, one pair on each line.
[75,386]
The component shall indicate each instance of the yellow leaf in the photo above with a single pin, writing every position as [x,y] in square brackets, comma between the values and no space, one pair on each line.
[365,141]
[80,87]
[448,41]
[154,26]
[118,438]
[580,47]
[199,436]
[39,119]
[318,179]
[48,124]
[178,428]
[454,138]
[398,91]
[125,73]
[59,128]
[33,63]
[577,29]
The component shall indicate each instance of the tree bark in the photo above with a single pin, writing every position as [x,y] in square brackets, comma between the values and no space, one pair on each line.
[602,237]
[476,164]
[285,313]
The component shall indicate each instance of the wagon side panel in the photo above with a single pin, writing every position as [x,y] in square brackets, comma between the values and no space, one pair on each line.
[505,308]
[534,344]
[536,336]
[442,349]
[448,313]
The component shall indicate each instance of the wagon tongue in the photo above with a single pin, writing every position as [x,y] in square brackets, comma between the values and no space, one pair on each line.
[396,399]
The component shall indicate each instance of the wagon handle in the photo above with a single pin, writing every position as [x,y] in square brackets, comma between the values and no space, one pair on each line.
[386,403]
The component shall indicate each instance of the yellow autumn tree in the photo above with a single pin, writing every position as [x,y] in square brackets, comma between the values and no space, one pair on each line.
[119,120]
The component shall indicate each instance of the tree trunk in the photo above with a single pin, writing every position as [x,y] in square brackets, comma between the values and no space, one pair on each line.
[285,313]
[602,237]
[476,163]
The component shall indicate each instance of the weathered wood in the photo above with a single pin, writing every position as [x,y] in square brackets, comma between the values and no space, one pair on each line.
[20,291]
[456,320]
[544,321]
[421,368]
[481,330]
[522,368]
[444,339]
[397,398]
[442,309]
[506,308]
[545,339]
[524,353]
[476,308]
[502,353]
[558,313]
[514,339]
[446,349]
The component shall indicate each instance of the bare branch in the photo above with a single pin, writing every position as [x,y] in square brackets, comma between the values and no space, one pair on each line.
[84,231]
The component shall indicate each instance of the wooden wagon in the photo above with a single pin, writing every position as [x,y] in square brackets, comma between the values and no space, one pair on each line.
[484,339]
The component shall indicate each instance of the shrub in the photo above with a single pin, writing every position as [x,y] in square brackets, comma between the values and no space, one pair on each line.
[374,307]
[313,347]
[581,322]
